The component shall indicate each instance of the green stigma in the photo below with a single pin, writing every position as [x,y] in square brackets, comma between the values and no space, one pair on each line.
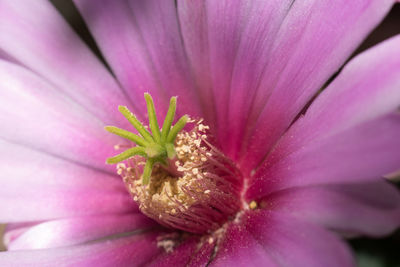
[156,146]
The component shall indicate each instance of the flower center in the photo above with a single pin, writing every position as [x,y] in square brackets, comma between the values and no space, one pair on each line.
[188,184]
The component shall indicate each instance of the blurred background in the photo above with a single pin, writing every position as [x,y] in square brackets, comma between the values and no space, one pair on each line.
[370,252]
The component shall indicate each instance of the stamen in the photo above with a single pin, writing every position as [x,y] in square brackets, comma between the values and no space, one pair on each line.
[253,205]
[197,193]
[178,177]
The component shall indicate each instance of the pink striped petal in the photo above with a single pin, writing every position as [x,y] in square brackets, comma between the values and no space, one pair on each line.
[369,209]
[66,232]
[21,166]
[235,63]
[5,56]
[251,61]
[25,204]
[291,242]
[370,80]
[265,238]
[193,23]
[243,72]
[240,248]
[35,34]
[363,153]
[34,114]
[142,43]
[212,32]
[44,187]
[313,41]
[126,251]
[323,142]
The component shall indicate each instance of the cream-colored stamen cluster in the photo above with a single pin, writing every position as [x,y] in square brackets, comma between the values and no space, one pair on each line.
[195,193]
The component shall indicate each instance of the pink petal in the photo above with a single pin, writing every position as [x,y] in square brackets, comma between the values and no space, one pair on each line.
[369,209]
[361,154]
[203,255]
[37,36]
[31,205]
[141,42]
[313,41]
[126,251]
[44,187]
[291,242]
[322,139]
[35,114]
[21,166]
[265,238]
[370,80]
[14,230]
[234,63]
[180,256]
[211,33]
[66,232]
[193,23]
[5,56]
[252,58]
[240,248]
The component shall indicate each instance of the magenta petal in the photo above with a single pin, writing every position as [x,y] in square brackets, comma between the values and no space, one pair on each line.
[252,58]
[293,241]
[265,238]
[193,23]
[227,61]
[285,240]
[203,255]
[370,209]
[211,31]
[370,80]
[126,251]
[33,113]
[339,139]
[37,36]
[180,256]
[364,153]
[142,44]
[240,248]
[66,232]
[313,41]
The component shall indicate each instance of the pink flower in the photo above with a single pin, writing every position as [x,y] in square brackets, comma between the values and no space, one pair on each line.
[249,68]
